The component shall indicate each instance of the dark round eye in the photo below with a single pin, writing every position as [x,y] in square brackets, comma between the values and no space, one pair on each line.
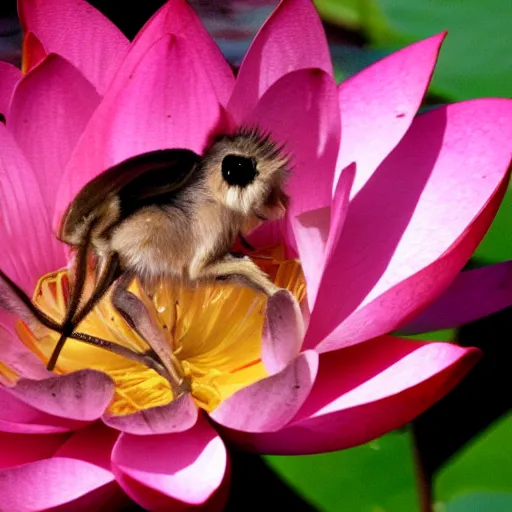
[238,170]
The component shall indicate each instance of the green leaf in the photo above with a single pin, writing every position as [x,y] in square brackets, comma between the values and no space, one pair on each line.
[376,477]
[497,244]
[475,60]
[444,335]
[347,13]
[483,466]
[481,502]
[349,60]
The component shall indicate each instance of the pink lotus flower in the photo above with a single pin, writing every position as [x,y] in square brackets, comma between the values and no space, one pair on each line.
[386,209]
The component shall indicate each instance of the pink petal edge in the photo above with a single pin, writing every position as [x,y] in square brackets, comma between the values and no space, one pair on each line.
[9,77]
[168,470]
[62,28]
[19,417]
[82,395]
[14,354]
[48,139]
[291,39]
[166,101]
[365,391]
[473,295]
[403,252]
[300,112]
[25,229]
[378,105]
[179,415]
[317,234]
[177,17]
[276,398]
[42,485]
[283,331]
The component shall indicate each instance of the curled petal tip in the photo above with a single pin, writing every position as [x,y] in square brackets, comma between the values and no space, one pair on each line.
[283,331]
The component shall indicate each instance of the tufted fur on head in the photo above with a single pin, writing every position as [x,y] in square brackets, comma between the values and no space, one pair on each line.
[264,196]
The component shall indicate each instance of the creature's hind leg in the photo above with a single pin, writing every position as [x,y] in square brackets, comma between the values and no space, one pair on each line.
[242,270]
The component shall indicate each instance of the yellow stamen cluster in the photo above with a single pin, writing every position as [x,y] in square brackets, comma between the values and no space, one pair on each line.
[214,332]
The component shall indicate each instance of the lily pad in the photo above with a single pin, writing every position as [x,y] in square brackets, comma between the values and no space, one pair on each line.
[376,477]
[481,502]
[483,466]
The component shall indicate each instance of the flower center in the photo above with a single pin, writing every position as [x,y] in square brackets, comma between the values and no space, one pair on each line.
[213,331]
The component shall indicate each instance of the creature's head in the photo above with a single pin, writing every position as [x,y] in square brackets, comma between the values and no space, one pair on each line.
[247,172]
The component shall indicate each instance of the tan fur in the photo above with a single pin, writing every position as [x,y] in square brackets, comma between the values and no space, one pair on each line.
[190,239]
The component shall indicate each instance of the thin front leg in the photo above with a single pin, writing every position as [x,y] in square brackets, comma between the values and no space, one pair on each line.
[242,270]
[110,273]
[14,300]
[77,289]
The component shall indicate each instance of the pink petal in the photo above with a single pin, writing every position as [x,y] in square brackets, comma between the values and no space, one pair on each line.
[49,111]
[82,395]
[378,105]
[9,76]
[92,444]
[178,416]
[24,226]
[178,18]
[365,391]
[292,38]
[74,485]
[300,111]
[33,52]
[317,234]
[21,418]
[14,353]
[268,234]
[17,449]
[269,404]
[408,234]
[311,230]
[167,101]
[473,295]
[401,302]
[339,210]
[162,472]
[78,32]
[283,332]
[172,83]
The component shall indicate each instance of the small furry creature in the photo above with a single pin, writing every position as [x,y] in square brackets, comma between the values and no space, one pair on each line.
[171,214]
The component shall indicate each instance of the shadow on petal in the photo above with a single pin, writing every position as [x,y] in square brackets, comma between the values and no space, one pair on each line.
[17,449]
